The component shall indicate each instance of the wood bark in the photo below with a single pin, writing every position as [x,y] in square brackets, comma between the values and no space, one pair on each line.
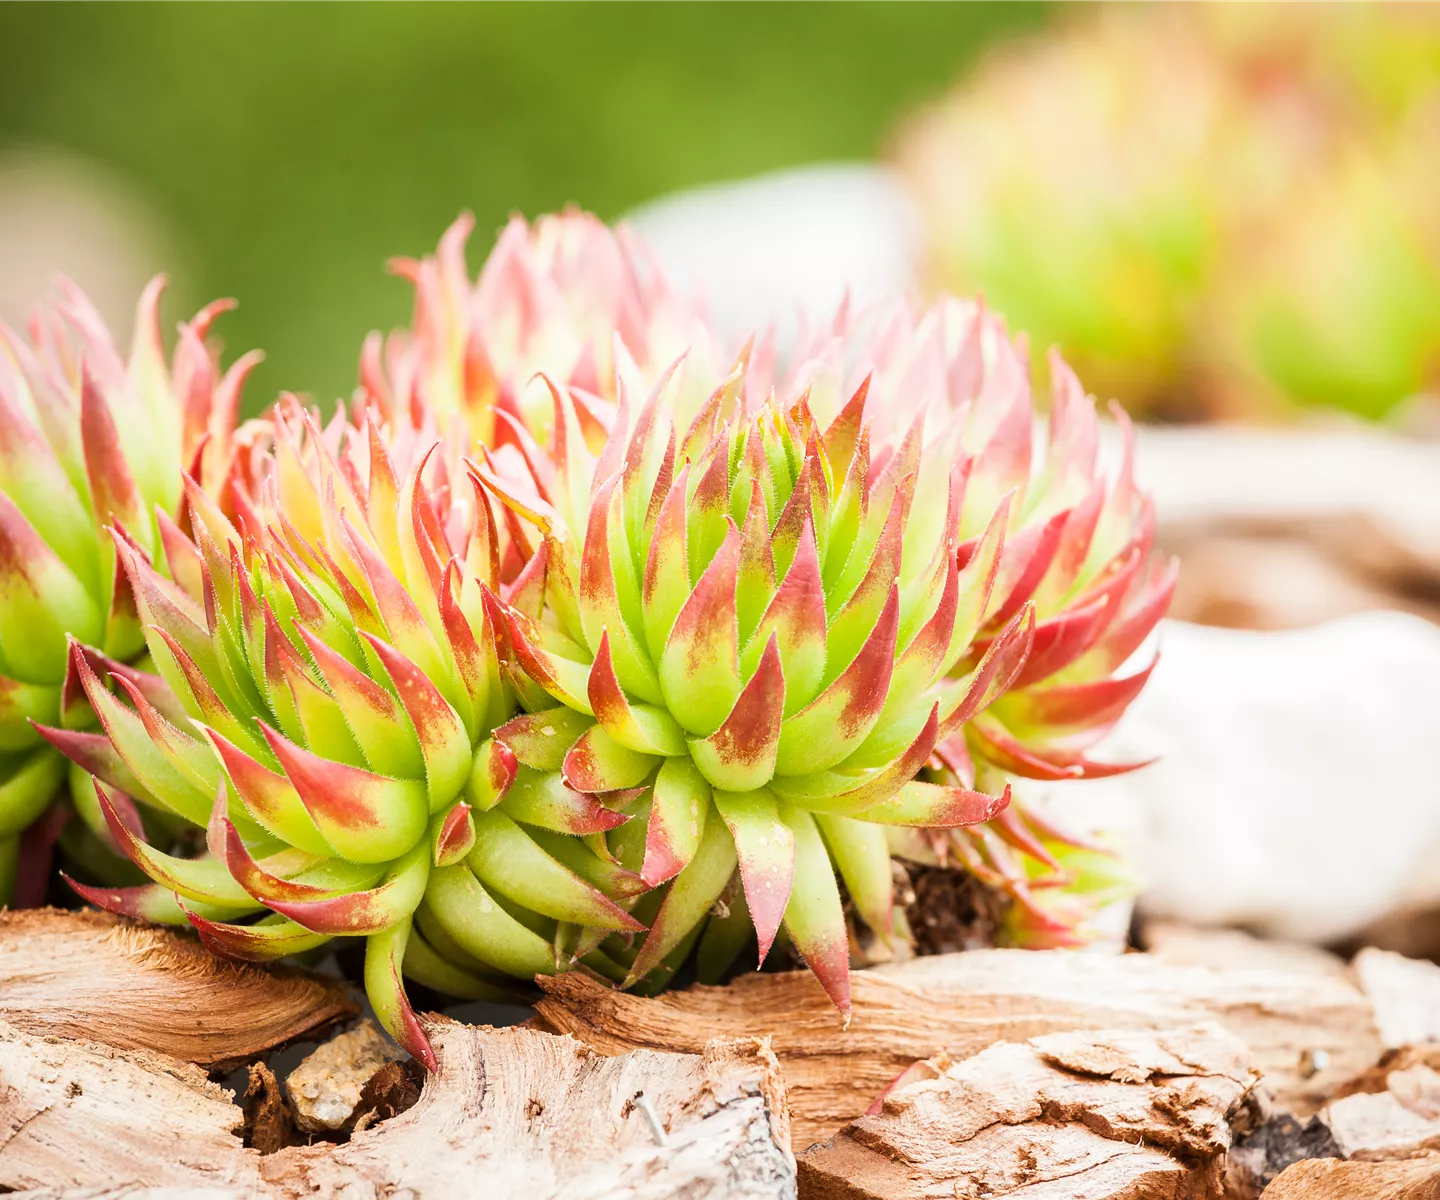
[101,978]
[961,1003]
[1094,1116]
[1335,1179]
[511,1113]
[1406,996]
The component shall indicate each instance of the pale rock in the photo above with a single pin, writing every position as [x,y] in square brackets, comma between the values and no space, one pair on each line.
[786,247]
[1297,787]
[1405,993]
[325,1088]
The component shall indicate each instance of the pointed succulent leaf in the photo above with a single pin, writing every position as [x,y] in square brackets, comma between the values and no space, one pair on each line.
[505,859]
[598,762]
[814,918]
[492,771]
[368,911]
[640,727]
[365,817]
[700,666]
[545,800]
[741,754]
[765,848]
[679,808]
[688,899]
[384,959]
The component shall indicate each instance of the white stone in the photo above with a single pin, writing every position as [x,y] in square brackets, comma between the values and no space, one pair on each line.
[788,243]
[1298,786]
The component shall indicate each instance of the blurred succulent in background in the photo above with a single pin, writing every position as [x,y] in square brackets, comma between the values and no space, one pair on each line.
[89,442]
[1213,211]
[568,296]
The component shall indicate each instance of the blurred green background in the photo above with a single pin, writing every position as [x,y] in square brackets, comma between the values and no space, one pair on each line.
[290,149]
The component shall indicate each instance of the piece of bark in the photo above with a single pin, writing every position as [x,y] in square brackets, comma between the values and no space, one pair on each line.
[1377,1078]
[325,1089]
[520,1113]
[510,1113]
[1401,1122]
[1335,1179]
[961,1003]
[269,1122]
[1405,993]
[393,1089]
[1390,1112]
[81,1114]
[1099,1115]
[98,977]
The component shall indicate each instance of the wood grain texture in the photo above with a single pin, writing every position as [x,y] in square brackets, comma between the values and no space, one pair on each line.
[1097,1116]
[1336,1179]
[101,978]
[511,1113]
[961,1003]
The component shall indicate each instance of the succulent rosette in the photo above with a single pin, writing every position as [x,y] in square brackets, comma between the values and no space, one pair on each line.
[90,441]
[1079,552]
[1187,200]
[753,632]
[328,681]
[567,296]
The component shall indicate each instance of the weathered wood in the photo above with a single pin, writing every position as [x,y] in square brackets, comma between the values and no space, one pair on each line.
[1335,1179]
[517,1113]
[1401,1122]
[101,978]
[510,1113]
[1406,996]
[1096,1116]
[961,1003]
[78,1114]
[1389,1112]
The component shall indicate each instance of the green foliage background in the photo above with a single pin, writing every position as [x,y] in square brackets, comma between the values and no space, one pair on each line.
[295,147]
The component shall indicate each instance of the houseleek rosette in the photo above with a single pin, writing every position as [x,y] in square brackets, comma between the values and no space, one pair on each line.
[1079,551]
[89,441]
[567,296]
[749,635]
[327,685]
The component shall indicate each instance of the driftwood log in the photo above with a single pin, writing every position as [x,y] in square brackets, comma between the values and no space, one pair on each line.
[1081,1116]
[510,1114]
[100,978]
[1308,1031]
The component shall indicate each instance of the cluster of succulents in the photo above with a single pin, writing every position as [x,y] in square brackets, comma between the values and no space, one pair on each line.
[1189,200]
[94,449]
[574,640]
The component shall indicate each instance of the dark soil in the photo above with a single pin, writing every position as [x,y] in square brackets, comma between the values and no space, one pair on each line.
[949,909]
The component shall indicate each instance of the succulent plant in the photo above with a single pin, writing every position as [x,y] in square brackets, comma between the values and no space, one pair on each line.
[775,637]
[567,295]
[89,441]
[328,681]
[1078,551]
[1184,200]
[648,677]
